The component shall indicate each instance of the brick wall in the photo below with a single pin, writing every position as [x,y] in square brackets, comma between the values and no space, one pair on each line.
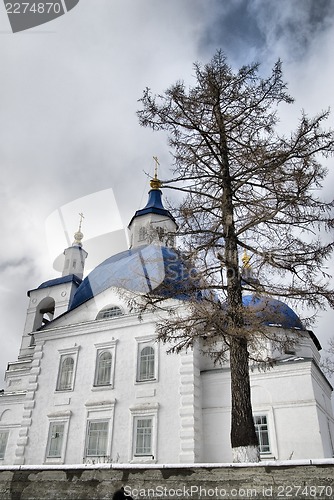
[276,480]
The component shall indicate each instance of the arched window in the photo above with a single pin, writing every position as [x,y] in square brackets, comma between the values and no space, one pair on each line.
[103,368]
[109,312]
[44,312]
[146,364]
[142,233]
[65,377]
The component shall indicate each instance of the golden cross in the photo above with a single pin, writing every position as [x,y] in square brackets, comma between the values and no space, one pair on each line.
[155,158]
[81,218]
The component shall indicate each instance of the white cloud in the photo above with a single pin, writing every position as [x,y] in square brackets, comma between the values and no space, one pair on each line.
[69,92]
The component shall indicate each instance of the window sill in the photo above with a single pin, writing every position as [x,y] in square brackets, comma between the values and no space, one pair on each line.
[102,387]
[54,460]
[267,456]
[143,460]
[146,381]
[97,459]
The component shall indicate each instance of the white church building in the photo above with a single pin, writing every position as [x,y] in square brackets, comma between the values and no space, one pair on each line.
[91,384]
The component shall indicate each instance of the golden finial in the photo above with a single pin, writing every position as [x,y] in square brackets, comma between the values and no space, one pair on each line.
[155,183]
[246,260]
[78,235]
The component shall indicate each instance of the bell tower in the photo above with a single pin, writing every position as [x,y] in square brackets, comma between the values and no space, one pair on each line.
[53,297]
[153,224]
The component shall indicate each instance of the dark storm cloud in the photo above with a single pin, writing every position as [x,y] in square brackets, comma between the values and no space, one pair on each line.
[296,23]
[250,27]
[235,29]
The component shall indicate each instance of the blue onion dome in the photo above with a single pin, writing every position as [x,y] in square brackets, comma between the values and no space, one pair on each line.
[272,312]
[145,269]
[153,206]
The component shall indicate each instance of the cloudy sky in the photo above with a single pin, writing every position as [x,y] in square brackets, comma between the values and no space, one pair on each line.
[68,101]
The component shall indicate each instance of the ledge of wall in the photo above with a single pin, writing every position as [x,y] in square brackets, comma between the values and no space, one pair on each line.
[277,480]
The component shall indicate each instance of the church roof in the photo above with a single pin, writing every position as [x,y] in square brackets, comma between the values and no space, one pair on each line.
[164,271]
[59,281]
[153,206]
[273,312]
[145,269]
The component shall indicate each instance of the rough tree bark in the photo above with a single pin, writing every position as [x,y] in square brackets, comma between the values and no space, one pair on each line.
[243,437]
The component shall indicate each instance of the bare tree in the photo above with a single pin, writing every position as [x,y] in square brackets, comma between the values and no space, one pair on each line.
[328,360]
[246,188]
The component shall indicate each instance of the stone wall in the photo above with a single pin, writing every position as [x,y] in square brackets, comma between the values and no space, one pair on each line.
[276,480]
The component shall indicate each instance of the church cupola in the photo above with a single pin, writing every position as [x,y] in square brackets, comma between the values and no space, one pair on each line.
[249,281]
[75,255]
[53,297]
[153,224]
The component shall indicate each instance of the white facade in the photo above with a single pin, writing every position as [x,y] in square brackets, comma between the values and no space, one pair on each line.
[92,385]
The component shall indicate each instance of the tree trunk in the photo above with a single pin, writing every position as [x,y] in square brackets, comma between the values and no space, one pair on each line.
[243,436]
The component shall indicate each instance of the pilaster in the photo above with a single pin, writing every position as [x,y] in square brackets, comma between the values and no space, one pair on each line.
[190,407]
[29,405]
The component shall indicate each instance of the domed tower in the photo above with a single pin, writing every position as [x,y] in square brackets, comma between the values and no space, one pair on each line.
[153,224]
[75,256]
[152,264]
[52,297]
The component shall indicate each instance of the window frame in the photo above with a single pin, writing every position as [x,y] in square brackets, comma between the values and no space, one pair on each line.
[88,436]
[57,418]
[148,411]
[142,343]
[136,428]
[260,432]
[146,363]
[64,354]
[4,432]
[68,386]
[102,347]
[109,307]
[103,368]
[142,233]
[50,437]
[99,411]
